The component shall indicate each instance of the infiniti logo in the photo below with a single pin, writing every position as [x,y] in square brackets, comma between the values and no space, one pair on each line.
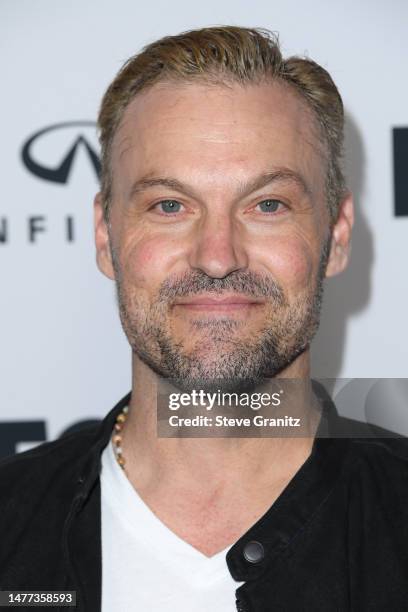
[61,173]
[50,154]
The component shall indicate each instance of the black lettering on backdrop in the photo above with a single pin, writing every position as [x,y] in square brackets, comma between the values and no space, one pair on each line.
[70,229]
[34,226]
[400,150]
[13,432]
[3,230]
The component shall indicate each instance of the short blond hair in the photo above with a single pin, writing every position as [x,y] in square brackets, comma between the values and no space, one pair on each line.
[226,54]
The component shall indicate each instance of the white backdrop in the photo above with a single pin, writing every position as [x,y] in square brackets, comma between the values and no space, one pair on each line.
[64,357]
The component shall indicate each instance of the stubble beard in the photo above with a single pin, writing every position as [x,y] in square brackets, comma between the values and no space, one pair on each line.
[224,357]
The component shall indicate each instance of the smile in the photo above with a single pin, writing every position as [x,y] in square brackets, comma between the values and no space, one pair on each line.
[220,307]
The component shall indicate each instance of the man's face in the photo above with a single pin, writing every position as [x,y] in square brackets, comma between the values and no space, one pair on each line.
[218,192]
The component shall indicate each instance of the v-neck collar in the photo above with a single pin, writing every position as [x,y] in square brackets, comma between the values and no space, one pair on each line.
[129,507]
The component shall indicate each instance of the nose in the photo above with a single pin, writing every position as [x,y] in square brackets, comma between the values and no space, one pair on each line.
[218,246]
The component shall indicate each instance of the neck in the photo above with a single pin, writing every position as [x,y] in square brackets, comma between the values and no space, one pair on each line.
[205,462]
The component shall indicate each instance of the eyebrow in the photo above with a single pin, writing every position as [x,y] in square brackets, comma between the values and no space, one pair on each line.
[279,174]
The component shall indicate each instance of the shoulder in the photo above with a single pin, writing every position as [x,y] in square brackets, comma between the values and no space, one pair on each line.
[35,470]
[375,459]
[373,443]
[377,471]
[390,453]
[371,440]
[54,470]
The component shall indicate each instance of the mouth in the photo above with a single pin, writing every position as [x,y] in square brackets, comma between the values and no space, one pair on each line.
[221,304]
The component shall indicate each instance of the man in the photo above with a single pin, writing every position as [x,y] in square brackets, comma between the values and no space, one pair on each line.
[222,209]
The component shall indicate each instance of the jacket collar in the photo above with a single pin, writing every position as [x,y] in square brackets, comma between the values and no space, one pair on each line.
[82,543]
[89,467]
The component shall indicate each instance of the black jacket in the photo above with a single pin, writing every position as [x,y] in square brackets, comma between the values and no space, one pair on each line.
[335,540]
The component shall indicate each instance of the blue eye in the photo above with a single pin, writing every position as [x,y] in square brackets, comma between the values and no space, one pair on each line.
[270,205]
[170,204]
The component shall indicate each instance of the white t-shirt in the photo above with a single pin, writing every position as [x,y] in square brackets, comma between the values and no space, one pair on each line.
[148,568]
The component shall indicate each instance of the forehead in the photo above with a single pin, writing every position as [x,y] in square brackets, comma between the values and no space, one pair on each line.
[217,131]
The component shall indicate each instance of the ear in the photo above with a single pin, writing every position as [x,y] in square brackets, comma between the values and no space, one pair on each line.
[340,248]
[103,253]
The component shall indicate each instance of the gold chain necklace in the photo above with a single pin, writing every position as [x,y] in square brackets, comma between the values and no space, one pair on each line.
[118,436]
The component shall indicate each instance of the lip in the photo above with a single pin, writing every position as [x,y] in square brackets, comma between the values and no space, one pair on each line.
[203,300]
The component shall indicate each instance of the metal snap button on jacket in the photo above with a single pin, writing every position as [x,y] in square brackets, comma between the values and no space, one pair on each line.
[254,552]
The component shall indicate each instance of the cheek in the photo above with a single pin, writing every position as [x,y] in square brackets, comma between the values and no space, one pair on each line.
[144,262]
[292,263]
